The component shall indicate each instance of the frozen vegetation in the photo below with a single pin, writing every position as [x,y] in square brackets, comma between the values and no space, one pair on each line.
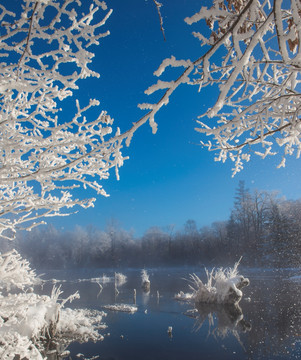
[145,282]
[223,286]
[29,320]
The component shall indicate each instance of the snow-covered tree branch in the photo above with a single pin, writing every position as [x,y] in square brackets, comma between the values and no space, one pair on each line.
[46,153]
[252,57]
[250,54]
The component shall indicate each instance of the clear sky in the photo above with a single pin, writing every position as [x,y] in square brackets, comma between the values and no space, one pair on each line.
[169,178]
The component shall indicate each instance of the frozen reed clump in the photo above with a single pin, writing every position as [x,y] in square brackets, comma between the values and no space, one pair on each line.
[145,282]
[223,286]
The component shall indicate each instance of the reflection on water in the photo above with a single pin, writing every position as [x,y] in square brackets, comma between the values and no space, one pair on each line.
[266,325]
[223,320]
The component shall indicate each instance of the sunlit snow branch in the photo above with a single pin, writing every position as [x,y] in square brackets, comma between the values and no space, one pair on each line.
[252,59]
[45,155]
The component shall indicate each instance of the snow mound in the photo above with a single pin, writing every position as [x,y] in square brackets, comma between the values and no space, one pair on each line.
[121,307]
[184,296]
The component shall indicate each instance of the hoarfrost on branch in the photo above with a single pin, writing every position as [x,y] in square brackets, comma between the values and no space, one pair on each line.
[252,57]
[45,154]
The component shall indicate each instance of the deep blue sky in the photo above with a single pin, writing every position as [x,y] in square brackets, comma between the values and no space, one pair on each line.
[169,177]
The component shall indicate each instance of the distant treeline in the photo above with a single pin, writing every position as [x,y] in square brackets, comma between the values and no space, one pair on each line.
[263,228]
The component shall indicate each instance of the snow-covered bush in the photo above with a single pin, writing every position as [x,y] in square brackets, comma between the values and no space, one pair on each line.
[223,287]
[27,319]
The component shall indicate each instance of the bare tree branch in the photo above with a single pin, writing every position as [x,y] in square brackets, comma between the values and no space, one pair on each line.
[158,6]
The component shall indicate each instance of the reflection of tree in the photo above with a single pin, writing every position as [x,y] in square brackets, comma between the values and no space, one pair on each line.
[224,320]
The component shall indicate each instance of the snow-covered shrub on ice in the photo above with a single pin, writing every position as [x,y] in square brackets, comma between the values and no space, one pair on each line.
[223,287]
[145,282]
[28,319]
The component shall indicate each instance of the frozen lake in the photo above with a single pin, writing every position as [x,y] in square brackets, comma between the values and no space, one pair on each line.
[268,325]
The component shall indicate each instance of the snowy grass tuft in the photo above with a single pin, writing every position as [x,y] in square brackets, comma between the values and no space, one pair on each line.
[223,286]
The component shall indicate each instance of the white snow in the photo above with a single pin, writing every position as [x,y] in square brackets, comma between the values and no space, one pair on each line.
[184,296]
[82,324]
[26,317]
[121,307]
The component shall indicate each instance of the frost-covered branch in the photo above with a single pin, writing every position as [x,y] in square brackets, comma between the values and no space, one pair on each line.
[252,58]
[158,6]
[46,153]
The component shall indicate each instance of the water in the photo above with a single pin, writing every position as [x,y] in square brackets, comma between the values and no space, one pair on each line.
[267,324]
